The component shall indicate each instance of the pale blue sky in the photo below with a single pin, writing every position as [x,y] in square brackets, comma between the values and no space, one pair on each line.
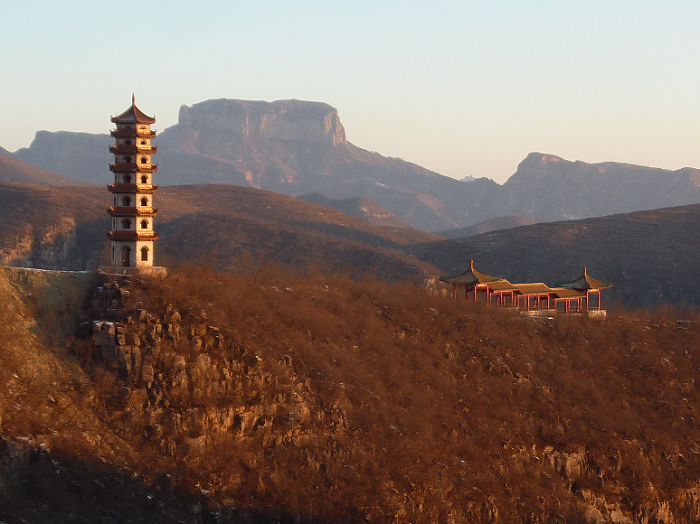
[462,88]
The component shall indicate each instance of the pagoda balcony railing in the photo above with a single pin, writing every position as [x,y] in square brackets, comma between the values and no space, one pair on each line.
[132,188]
[132,133]
[131,211]
[132,167]
[132,236]
[121,149]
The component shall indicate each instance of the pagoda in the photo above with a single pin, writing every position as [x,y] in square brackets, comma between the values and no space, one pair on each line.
[132,235]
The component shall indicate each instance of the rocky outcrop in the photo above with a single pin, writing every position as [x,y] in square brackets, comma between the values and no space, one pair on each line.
[312,122]
[177,367]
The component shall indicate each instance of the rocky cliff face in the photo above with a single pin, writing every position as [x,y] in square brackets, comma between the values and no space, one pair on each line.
[311,122]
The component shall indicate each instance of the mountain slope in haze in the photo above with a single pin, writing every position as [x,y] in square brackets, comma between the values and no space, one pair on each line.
[359,207]
[650,257]
[547,187]
[13,170]
[297,147]
[492,224]
[55,228]
[79,156]
[289,146]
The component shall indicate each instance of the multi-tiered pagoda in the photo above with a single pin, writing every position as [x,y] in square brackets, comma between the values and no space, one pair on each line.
[132,235]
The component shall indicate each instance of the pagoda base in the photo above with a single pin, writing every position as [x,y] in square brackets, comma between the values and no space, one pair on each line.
[158,272]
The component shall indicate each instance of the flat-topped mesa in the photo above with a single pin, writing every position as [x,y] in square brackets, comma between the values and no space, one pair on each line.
[313,122]
[132,210]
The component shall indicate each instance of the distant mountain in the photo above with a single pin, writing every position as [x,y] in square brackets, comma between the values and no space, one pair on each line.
[80,156]
[359,207]
[651,257]
[13,170]
[225,225]
[547,187]
[492,224]
[289,146]
[297,147]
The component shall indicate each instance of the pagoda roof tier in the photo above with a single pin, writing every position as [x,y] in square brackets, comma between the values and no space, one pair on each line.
[132,133]
[132,167]
[133,115]
[585,282]
[132,236]
[121,149]
[131,211]
[471,277]
[147,189]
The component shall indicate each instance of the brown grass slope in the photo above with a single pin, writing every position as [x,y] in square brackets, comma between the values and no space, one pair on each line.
[58,229]
[360,401]
[649,256]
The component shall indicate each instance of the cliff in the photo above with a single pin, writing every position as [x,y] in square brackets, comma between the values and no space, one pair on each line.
[312,122]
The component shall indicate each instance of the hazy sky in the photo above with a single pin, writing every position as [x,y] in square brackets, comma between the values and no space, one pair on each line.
[459,87]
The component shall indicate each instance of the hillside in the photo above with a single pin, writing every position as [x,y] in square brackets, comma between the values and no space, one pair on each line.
[649,256]
[358,207]
[54,228]
[268,398]
[297,147]
[492,224]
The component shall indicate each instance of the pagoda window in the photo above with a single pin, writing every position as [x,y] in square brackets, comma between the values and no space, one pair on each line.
[144,179]
[144,200]
[127,142]
[126,223]
[144,224]
[144,254]
[126,201]
[127,179]
[143,160]
[143,142]
[127,159]
[115,200]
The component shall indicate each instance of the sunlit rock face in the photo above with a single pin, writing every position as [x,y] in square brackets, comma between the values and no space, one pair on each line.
[313,122]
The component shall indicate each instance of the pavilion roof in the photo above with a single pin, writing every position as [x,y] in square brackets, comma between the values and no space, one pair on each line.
[562,292]
[585,282]
[502,285]
[533,288]
[471,277]
[133,115]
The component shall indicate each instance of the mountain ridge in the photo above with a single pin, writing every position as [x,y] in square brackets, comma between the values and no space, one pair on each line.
[297,147]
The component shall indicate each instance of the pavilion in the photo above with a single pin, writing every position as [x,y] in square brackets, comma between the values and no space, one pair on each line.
[575,296]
